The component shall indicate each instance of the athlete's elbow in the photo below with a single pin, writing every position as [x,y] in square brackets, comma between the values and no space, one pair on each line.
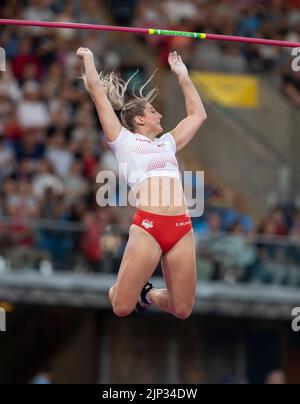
[200,118]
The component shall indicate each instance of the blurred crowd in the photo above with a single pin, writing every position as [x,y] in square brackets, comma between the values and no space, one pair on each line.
[232,246]
[52,147]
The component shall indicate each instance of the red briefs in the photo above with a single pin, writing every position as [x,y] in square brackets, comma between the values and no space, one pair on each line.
[166,230]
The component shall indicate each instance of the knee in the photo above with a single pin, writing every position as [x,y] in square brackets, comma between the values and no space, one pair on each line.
[183,311]
[122,309]
[111,293]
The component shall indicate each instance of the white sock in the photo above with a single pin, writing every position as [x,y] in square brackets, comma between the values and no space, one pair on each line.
[141,303]
[148,298]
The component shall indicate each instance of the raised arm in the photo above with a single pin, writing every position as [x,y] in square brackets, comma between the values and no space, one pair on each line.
[108,118]
[196,115]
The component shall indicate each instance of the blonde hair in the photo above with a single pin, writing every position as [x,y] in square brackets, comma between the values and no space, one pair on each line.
[116,91]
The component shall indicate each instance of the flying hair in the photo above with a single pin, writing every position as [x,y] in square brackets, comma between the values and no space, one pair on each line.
[128,104]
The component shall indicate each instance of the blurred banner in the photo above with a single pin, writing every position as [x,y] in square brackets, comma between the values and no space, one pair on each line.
[229,90]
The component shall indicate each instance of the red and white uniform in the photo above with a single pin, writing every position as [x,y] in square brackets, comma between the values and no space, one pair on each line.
[141,158]
[144,158]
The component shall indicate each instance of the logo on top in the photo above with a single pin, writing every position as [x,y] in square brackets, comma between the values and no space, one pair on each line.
[143,140]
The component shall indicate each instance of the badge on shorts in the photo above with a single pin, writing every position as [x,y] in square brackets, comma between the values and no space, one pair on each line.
[147,224]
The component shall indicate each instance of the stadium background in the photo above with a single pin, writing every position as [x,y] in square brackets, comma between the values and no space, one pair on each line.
[59,252]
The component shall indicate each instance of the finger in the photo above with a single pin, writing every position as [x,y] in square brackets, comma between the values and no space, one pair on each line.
[171,59]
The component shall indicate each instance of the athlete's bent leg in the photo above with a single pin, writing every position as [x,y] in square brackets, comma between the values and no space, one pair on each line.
[141,257]
[179,268]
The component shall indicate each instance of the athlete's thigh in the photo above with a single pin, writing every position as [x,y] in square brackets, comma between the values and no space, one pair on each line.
[141,257]
[179,269]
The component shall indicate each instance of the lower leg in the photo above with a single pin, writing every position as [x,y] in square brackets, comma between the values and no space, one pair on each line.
[161,298]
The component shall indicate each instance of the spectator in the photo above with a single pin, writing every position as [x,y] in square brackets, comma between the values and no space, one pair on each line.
[122,10]
[76,186]
[23,203]
[176,10]
[6,105]
[44,376]
[278,218]
[9,86]
[91,240]
[31,146]
[45,179]
[12,128]
[37,10]
[26,58]
[238,214]
[59,154]
[7,158]
[276,377]
[32,112]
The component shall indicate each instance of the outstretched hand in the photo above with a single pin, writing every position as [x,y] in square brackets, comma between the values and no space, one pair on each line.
[82,52]
[177,65]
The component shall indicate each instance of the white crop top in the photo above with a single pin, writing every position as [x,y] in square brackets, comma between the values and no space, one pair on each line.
[140,158]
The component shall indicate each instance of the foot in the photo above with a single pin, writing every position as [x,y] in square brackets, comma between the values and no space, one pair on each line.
[143,303]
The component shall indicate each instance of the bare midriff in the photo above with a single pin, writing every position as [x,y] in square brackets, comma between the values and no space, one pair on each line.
[161,195]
